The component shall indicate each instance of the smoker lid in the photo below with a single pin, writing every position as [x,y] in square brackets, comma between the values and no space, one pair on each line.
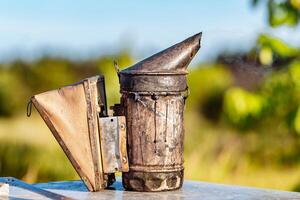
[173,60]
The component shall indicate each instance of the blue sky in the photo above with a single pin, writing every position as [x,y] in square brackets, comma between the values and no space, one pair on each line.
[89,28]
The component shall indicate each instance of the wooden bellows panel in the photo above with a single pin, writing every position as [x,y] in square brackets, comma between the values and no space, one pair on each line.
[72,115]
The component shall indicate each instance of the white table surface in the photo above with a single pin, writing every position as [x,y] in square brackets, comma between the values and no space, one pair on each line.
[190,190]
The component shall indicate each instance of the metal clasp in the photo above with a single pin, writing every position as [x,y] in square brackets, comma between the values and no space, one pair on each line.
[29,108]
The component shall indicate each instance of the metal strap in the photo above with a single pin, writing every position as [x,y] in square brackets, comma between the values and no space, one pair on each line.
[92,117]
[17,183]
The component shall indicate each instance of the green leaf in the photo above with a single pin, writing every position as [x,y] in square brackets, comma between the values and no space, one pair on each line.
[282,13]
[279,47]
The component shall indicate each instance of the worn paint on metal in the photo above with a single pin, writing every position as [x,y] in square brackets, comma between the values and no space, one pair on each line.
[153,98]
[113,144]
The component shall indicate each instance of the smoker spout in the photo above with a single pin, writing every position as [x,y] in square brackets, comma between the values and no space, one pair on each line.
[154,92]
[173,60]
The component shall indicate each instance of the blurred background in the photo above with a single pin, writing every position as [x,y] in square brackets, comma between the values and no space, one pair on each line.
[243,113]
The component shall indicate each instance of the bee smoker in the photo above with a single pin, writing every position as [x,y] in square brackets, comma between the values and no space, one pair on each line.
[144,140]
[153,99]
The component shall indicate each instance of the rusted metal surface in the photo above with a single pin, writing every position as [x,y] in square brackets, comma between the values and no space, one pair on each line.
[113,144]
[152,181]
[173,60]
[158,145]
[153,83]
[153,98]
[164,71]
[155,145]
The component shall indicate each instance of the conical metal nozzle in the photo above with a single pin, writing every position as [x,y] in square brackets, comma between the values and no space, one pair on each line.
[163,72]
[173,60]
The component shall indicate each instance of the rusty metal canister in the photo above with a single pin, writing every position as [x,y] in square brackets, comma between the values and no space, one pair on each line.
[153,99]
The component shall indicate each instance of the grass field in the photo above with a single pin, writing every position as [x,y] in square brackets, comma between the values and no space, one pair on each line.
[29,151]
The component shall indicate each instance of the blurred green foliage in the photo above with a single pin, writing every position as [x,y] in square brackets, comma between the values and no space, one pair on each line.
[243,107]
[33,163]
[19,80]
[282,12]
[11,92]
[278,94]
[207,84]
[271,48]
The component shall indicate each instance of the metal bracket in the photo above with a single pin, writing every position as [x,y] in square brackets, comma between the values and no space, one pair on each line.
[113,144]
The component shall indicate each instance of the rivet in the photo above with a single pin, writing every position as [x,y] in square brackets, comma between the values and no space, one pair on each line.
[122,126]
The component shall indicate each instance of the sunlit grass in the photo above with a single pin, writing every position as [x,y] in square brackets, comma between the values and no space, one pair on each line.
[34,155]
[29,151]
[219,154]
